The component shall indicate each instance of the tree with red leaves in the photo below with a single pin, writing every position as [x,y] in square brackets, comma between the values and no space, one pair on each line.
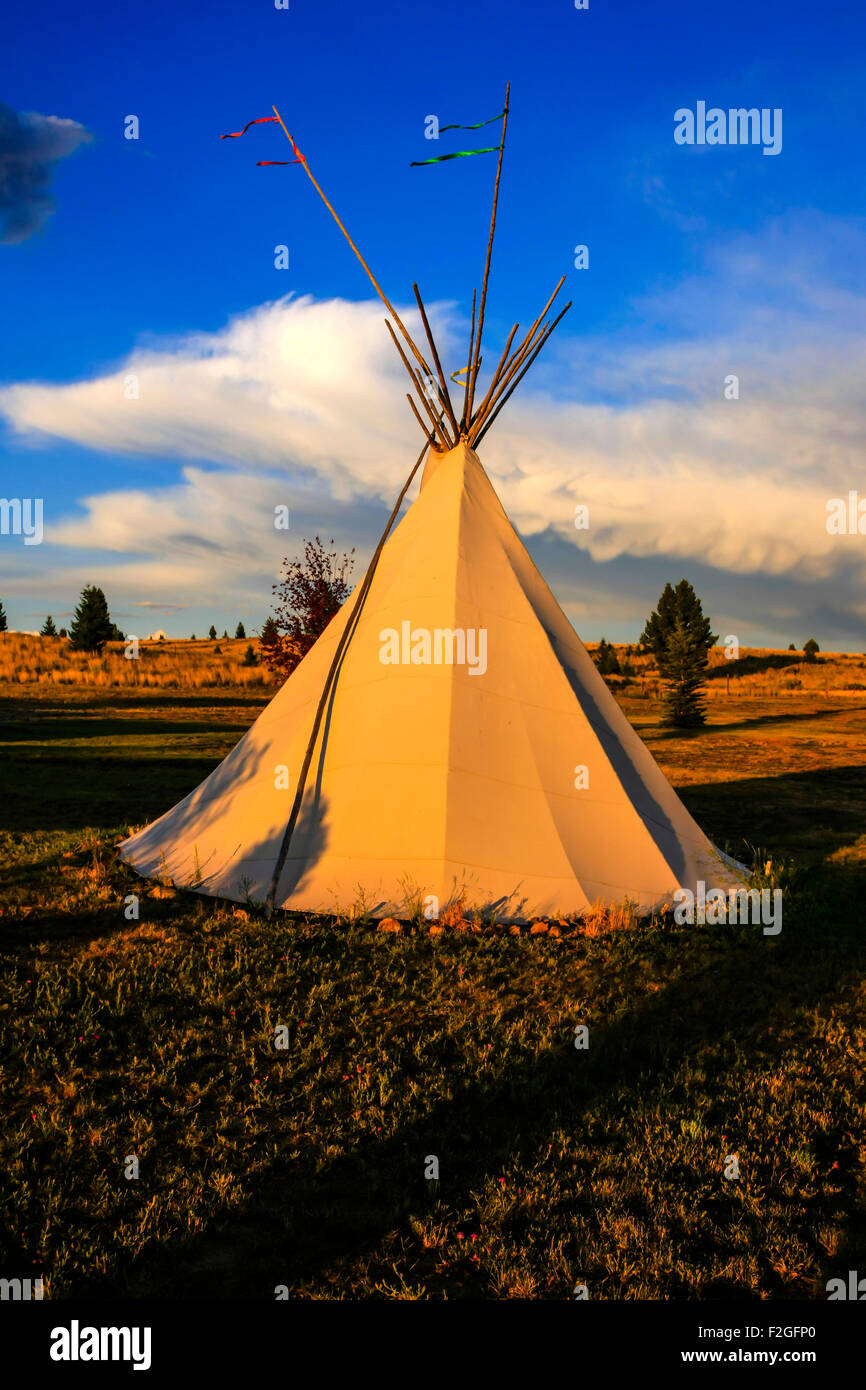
[308,595]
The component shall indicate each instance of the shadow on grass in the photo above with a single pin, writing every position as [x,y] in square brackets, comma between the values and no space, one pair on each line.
[13,708]
[663,732]
[807,815]
[754,665]
[311,1217]
[46,793]
[47,731]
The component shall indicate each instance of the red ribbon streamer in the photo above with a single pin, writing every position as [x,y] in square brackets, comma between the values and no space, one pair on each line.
[235,134]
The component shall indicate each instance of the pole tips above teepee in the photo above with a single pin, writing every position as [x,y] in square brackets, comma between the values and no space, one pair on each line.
[442,428]
[511,367]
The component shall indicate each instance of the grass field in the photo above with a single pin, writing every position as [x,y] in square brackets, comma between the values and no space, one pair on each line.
[305,1167]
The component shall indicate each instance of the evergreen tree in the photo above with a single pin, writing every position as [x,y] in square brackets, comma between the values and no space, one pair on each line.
[212,633]
[606,659]
[225,634]
[3,623]
[679,637]
[240,630]
[63,632]
[250,658]
[810,650]
[91,625]
[48,629]
[192,637]
[271,646]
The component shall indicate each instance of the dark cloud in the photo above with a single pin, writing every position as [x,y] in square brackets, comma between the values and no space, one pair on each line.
[29,145]
[187,540]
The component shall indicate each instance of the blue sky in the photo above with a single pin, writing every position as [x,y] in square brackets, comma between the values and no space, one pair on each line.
[703,261]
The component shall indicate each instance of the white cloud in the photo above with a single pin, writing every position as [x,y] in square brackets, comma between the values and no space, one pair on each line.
[302,402]
[311,388]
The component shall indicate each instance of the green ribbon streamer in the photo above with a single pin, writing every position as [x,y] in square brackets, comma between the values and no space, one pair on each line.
[459,154]
[471,127]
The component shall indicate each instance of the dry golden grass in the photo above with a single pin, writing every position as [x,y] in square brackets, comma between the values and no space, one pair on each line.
[179,665]
[188,665]
[759,672]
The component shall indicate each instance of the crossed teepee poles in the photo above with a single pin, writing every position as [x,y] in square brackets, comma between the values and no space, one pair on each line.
[442,432]
[444,429]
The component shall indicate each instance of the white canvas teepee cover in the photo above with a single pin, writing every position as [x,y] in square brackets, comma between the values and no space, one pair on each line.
[432,779]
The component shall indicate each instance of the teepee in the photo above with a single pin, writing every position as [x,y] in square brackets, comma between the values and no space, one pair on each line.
[426,748]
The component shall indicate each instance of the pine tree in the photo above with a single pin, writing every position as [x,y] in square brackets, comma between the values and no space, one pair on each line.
[63,632]
[606,659]
[91,625]
[810,650]
[250,658]
[271,646]
[3,622]
[212,633]
[240,631]
[48,629]
[679,637]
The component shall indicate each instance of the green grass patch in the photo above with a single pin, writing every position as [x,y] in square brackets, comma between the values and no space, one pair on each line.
[305,1166]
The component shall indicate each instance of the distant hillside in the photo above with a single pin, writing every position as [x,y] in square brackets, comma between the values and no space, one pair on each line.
[180,665]
[186,665]
[757,671]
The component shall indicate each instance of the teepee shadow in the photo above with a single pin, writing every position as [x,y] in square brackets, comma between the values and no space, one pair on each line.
[209,872]
[312,1214]
[309,841]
